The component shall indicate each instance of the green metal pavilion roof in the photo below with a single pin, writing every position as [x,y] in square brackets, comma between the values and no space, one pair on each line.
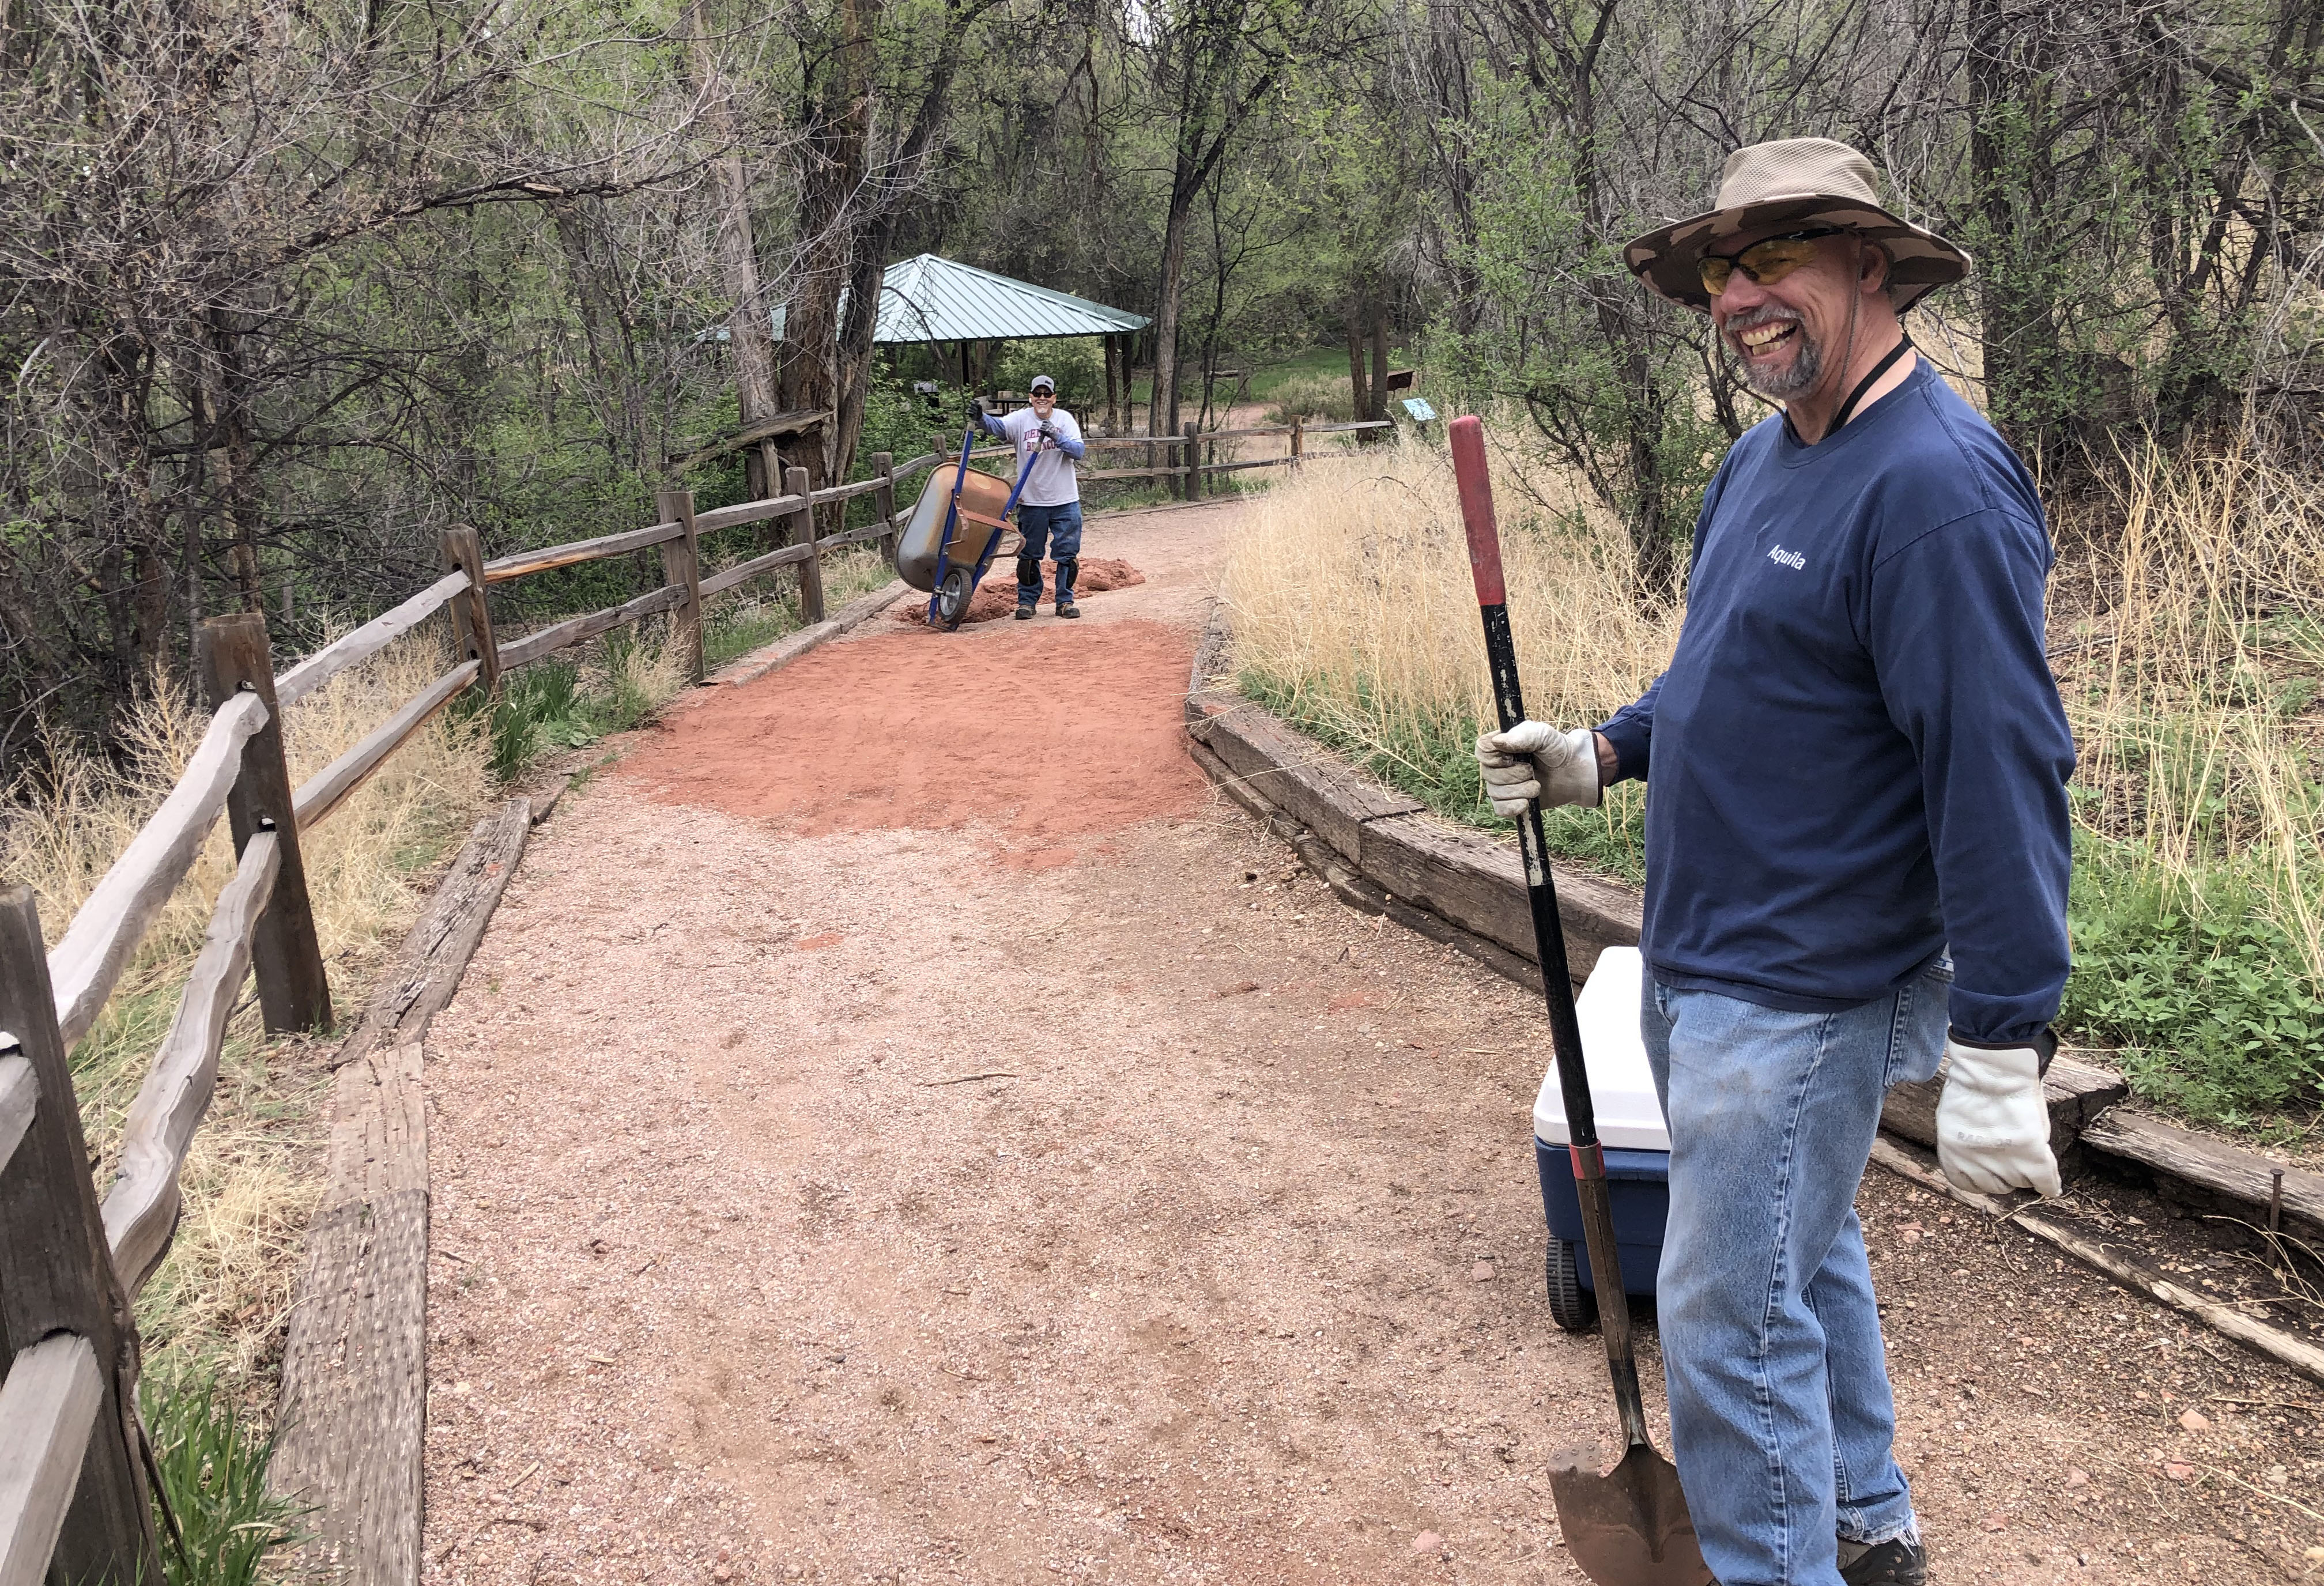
[928,299]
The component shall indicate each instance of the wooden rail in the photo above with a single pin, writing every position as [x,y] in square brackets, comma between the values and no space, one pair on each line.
[141,1212]
[500,569]
[103,935]
[574,630]
[49,1405]
[367,641]
[323,792]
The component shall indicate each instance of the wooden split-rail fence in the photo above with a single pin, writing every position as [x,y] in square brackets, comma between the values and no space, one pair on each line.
[75,1502]
[1197,450]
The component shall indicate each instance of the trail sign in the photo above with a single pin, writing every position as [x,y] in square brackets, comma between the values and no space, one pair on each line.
[1418,408]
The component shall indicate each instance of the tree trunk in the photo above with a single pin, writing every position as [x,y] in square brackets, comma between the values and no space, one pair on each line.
[1162,404]
[2006,132]
[1111,346]
[613,386]
[230,448]
[1379,328]
[750,338]
[832,222]
[1359,387]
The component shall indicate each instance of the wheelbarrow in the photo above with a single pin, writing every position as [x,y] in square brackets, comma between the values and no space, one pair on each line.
[954,532]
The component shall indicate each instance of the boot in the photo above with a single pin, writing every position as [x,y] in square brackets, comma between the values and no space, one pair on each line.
[1901,1561]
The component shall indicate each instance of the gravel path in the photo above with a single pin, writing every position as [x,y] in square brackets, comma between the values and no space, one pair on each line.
[847,1188]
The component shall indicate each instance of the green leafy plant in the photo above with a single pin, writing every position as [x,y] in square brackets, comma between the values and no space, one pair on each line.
[2190,978]
[217,1521]
[536,708]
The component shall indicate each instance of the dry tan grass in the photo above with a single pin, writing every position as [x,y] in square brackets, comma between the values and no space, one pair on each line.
[224,1289]
[1352,583]
[2190,666]
[1352,600]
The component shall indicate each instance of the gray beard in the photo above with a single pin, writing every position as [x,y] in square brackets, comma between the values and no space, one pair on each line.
[1795,379]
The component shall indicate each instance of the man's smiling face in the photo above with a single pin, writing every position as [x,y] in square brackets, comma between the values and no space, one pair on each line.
[1780,332]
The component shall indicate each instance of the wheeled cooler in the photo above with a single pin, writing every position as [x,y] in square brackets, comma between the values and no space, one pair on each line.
[1630,1127]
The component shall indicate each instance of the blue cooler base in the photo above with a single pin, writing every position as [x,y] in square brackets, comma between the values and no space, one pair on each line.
[1638,1184]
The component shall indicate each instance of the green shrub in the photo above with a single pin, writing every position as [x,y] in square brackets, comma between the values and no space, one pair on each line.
[2195,983]
[212,1486]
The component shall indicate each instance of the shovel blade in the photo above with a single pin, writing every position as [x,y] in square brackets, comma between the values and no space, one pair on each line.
[1629,1526]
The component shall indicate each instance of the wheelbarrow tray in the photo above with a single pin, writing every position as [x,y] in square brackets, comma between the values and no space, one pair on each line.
[921,549]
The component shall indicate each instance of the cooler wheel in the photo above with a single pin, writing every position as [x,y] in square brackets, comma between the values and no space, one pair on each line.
[1571,1305]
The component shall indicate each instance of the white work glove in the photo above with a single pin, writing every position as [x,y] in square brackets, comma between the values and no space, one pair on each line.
[1534,759]
[1993,1125]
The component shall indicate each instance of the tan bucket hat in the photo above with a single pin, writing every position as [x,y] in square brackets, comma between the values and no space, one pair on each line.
[1813,181]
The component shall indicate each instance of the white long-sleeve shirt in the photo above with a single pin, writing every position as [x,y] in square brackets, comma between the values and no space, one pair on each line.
[1053,482]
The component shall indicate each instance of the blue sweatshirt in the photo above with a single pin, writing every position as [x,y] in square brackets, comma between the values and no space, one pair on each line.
[1857,754]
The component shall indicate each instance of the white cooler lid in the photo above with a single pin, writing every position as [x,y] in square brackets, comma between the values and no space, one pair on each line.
[1621,1085]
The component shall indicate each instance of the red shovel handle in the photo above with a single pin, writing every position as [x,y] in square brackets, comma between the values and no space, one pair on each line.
[1467,437]
[1474,477]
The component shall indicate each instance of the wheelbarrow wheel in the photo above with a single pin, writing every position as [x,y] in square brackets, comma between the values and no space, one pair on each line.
[1571,1305]
[953,596]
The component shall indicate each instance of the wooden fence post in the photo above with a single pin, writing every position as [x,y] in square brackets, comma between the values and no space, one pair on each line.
[1296,437]
[884,499]
[803,529]
[681,564]
[472,620]
[770,462]
[1191,454]
[294,993]
[57,1275]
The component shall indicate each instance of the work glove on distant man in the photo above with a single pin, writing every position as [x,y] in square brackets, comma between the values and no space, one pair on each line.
[1993,1125]
[1534,759]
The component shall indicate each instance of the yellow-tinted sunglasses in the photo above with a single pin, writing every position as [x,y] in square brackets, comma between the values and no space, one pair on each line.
[1767,261]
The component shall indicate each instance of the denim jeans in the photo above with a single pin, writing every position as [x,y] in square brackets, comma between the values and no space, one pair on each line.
[1055,532]
[1781,1417]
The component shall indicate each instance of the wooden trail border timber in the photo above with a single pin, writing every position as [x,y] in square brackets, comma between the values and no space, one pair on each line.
[1381,852]
[354,1382]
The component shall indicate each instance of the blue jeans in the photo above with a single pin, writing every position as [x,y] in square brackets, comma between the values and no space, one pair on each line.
[1781,1417]
[1055,532]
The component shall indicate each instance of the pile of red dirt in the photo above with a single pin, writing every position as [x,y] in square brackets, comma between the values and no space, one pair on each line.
[1045,731]
[997,596]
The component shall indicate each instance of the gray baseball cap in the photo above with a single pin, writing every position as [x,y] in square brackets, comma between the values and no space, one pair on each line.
[1041,382]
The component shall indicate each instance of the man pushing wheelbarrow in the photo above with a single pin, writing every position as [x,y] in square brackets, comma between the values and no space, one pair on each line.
[1049,504]
[1857,851]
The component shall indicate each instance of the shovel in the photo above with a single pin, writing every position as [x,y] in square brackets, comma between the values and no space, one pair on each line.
[1629,1526]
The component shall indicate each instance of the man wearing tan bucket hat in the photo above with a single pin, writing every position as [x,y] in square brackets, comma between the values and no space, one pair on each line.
[1857,850]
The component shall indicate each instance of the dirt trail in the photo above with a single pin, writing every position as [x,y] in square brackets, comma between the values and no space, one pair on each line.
[855,1161]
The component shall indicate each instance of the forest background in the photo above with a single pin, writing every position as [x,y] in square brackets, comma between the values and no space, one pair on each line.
[285,290]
